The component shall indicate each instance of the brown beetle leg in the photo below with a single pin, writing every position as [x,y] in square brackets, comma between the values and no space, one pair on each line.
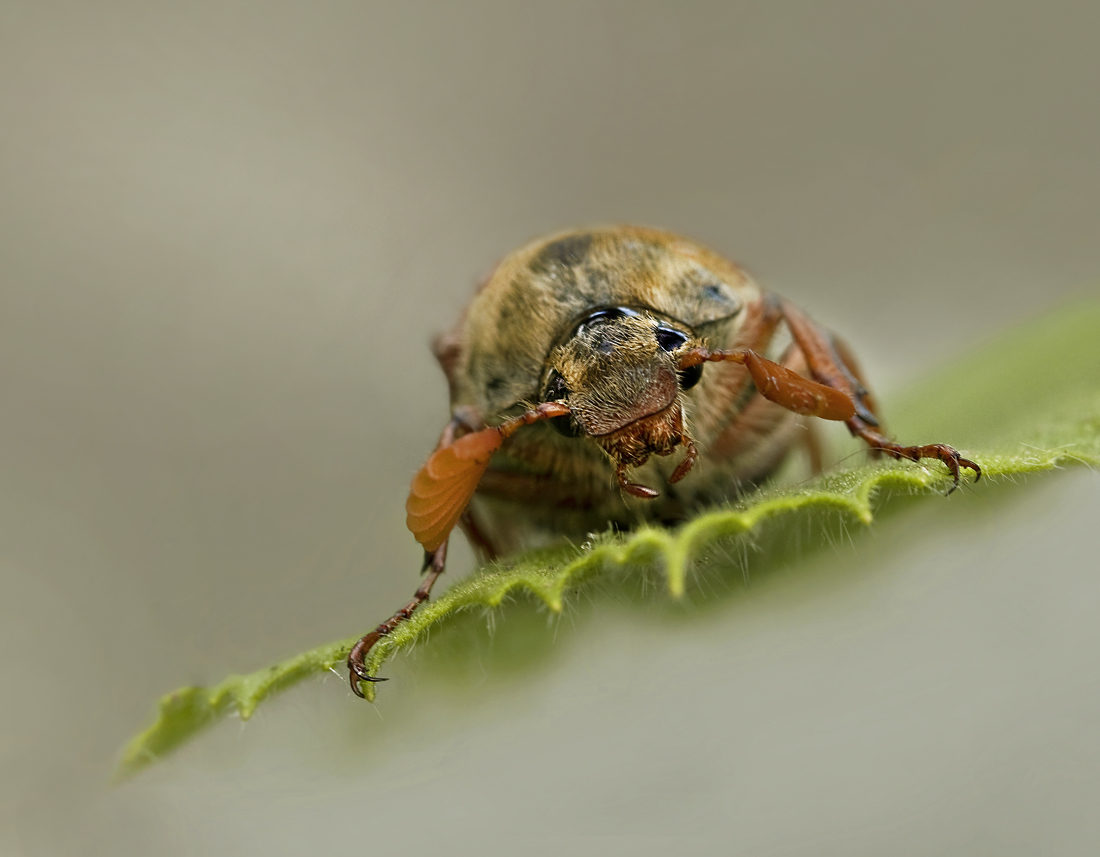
[849,362]
[434,564]
[684,467]
[435,561]
[469,451]
[753,425]
[811,440]
[947,454]
[717,415]
[780,385]
[633,488]
[825,363]
[479,541]
[838,370]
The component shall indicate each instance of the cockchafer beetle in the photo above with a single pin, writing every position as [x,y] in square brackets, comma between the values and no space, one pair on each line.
[597,340]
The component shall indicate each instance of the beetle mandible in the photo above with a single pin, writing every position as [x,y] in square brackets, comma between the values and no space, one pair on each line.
[577,372]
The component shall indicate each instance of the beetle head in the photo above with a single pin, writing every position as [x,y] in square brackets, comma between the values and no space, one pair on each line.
[617,370]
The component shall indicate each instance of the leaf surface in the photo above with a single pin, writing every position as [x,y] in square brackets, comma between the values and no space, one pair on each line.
[1025,403]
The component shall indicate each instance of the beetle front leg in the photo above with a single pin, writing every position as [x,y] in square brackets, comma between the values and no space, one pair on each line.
[950,456]
[632,488]
[779,384]
[828,361]
[434,564]
[836,393]
[438,498]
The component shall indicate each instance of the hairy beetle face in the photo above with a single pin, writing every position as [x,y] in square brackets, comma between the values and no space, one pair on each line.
[617,371]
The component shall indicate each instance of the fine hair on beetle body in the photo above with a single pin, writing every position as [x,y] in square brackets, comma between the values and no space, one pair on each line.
[611,376]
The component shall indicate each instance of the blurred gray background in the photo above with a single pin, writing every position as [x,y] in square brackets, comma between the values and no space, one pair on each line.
[227,232]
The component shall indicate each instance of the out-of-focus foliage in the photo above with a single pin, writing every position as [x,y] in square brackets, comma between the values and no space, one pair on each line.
[1028,402]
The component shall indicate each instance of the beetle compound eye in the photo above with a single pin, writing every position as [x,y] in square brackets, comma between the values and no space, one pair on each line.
[565,426]
[600,317]
[690,377]
[556,391]
[669,338]
[556,388]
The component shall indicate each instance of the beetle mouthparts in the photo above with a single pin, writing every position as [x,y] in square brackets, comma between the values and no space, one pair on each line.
[603,416]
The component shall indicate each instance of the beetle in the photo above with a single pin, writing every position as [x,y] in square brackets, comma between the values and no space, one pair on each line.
[582,399]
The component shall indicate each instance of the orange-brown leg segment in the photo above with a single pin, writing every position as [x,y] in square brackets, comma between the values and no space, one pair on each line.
[811,440]
[941,451]
[437,501]
[825,364]
[483,546]
[848,361]
[684,467]
[838,370]
[719,414]
[434,564]
[752,422]
[780,385]
[632,488]
[837,394]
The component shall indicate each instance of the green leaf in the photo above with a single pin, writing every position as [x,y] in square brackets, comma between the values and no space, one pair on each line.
[1024,403]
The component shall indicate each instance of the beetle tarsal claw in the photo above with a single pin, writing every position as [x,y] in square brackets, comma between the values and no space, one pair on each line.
[356,678]
[955,464]
[358,673]
[357,668]
[952,459]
